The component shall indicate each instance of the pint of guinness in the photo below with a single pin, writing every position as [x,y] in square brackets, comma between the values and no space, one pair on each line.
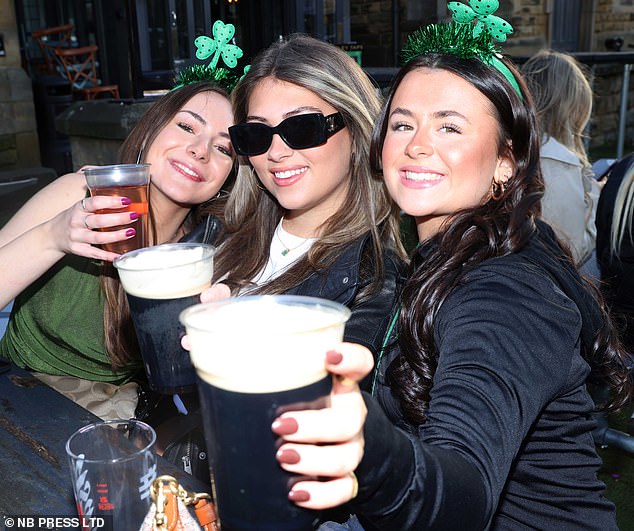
[256,357]
[160,282]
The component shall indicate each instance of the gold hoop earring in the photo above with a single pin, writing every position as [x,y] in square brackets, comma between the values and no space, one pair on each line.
[497,189]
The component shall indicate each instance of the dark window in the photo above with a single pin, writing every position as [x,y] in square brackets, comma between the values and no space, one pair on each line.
[565,24]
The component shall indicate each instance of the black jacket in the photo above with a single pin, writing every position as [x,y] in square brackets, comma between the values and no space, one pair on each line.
[617,271]
[343,281]
[508,440]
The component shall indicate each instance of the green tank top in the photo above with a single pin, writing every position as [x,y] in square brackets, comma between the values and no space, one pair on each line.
[56,325]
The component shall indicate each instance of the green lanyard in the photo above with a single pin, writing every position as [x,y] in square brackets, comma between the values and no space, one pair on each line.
[386,340]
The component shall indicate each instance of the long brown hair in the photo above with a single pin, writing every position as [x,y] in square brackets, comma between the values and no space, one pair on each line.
[119,336]
[253,214]
[497,228]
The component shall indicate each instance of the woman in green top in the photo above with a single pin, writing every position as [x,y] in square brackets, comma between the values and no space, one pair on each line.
[70,316]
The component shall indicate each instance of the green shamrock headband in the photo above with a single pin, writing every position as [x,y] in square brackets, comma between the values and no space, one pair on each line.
[471,34]
[217,47]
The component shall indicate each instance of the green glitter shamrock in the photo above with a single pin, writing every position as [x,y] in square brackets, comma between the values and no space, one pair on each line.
[219,46]
[481,12]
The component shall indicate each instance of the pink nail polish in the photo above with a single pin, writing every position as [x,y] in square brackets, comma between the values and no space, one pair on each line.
[333,357]
[288,457]
[284,426]
[298,496]
[133,216]
[130,232]
[125,201]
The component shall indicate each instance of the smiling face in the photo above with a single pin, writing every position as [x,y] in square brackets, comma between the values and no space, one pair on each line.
[192,156]
[440,152]
[311,184]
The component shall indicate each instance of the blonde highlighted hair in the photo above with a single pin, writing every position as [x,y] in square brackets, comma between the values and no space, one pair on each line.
[623,211]
[562,93]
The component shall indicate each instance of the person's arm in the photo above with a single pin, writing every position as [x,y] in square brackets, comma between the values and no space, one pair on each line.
[50,224]
[565,204]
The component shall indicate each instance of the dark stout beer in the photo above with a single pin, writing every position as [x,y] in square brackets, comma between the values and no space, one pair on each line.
[159,333]
[160,282]
[241,445]
[257,357]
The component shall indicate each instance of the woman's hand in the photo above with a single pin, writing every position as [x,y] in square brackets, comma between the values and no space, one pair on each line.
[340,425]
[214,293]
[76,229]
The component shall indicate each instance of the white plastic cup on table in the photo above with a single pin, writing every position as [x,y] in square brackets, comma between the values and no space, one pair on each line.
[123,180]
[112,465]
[160,282]
[257,357]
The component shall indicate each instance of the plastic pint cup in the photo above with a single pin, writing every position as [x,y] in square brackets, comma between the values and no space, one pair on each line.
[123,180]
[160,282]
[257,357]
[112,465]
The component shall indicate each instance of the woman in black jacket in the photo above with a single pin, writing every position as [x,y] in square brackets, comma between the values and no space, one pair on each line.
[479,417]
[306,215]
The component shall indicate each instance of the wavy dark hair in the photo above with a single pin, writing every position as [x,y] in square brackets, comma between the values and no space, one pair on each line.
[470,236]
[119,337]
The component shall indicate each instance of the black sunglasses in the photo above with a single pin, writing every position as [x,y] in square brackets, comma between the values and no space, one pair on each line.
[299,132]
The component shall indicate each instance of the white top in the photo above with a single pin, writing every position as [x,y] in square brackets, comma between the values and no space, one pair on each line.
[570,198]
[286,249]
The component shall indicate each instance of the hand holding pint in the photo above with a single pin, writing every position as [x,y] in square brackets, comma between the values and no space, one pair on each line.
[123,180]
[257,357]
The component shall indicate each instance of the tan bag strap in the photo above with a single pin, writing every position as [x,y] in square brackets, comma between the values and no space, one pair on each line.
[206,514]
[166,493]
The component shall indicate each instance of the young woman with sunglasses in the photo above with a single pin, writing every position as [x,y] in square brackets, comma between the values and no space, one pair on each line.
[305,216]
[70,319]
[479,417]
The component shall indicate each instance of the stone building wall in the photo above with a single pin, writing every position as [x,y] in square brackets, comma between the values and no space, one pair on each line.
[530,26]
[19,147]
[372,22]
[612,18]
[607,99]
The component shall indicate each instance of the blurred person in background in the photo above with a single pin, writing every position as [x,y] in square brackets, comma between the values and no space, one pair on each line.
[563,101]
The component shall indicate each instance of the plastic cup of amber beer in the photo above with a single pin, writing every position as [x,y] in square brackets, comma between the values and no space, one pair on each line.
[257,357]
[160,282]
[123,180]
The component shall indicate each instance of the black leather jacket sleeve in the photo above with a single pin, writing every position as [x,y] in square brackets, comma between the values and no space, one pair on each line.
[345,281]
[372,315]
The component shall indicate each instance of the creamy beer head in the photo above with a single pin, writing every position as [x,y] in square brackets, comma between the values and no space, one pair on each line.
[263,344]
[166,271]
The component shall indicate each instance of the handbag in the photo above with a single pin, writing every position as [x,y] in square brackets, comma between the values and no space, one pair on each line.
[170,508]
